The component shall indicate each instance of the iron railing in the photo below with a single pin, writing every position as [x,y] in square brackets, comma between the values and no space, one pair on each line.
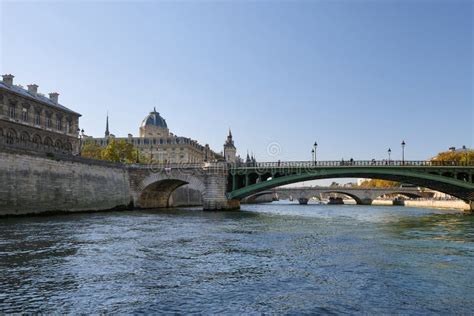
[354,163]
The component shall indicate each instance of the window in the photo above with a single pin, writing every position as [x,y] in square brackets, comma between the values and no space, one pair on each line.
[12,112]
[68,127]
[37,118]
[11,136]
[59,125]
[48,122]
[24,115]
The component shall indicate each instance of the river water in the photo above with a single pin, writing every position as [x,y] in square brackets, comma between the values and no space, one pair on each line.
[273,258]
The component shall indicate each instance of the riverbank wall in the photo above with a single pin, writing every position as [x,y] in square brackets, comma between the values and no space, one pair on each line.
[41,184]
[439,204]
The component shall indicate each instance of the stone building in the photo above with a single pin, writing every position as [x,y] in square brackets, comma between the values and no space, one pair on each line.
[158,144]
[30,120]
[230,152]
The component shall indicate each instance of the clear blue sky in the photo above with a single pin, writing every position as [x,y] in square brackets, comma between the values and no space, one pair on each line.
[357,76]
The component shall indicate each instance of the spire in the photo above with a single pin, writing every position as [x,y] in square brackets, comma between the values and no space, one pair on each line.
[107,133]
[154,109]
[230,133]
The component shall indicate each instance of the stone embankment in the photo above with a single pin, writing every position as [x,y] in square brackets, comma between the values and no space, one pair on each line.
[40,184]
[440,204]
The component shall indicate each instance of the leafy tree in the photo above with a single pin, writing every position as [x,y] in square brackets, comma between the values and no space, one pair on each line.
[379,183]
[458,156]
[119,151]
[91,150]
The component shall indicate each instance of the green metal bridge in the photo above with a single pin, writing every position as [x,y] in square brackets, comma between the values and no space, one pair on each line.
[456,179]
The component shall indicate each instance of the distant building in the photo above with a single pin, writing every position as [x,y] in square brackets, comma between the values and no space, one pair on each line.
[30,120]
[159,145]
[230,152]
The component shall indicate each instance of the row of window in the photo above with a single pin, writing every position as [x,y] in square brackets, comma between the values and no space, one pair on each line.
[11,137]
[37,120]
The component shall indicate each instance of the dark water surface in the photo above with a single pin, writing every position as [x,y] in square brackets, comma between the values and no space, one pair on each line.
[271,258]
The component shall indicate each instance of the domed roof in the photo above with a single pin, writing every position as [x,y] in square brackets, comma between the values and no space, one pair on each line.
[155,119]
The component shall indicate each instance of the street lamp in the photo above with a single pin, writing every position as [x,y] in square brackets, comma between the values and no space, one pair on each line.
[465,152]
[403,152]
[389,153]
[81,136]
[315,146]
[312,155]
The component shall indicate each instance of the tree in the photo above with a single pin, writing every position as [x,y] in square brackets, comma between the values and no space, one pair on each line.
[459,156]
[119,151]
[379,183]
[91,150]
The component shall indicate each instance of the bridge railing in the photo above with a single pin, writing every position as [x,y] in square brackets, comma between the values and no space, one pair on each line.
[354,163]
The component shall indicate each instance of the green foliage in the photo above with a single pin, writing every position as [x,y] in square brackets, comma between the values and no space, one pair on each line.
[91,150]
[119,151]
[116,151]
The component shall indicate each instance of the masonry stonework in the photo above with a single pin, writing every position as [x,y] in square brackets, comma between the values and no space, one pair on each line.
[31,184]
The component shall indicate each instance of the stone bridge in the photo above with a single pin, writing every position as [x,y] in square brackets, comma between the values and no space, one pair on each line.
[152,185]
[362,196]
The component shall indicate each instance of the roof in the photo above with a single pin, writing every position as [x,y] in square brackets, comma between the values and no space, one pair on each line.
[37,97]
[155,119]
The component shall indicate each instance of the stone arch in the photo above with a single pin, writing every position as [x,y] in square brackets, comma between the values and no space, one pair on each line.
[48,141]
[58,144]
[12,137]
[357,199]
[24,137]
[410,195]
[155,190]
[36,139]
[68,146]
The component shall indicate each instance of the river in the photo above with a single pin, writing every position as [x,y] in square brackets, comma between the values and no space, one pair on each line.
[273,258]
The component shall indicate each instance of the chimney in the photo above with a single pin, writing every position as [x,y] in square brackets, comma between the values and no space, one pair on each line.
[53,96]
[8,79]
[33,88]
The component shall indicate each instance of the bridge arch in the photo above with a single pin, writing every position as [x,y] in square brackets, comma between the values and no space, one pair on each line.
[357,199]
[461,189]
[155,190]
[405,194]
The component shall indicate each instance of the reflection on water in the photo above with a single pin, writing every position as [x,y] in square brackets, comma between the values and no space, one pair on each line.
[274,258]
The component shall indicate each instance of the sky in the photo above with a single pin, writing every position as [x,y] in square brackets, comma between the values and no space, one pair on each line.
[357,77]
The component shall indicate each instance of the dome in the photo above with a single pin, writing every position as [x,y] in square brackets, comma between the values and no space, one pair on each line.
[154,119]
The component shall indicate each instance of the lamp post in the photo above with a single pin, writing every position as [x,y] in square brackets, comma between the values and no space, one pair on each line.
[315,146]
[465,153]
[389,154]
[81,136]
[312,155]
[403,152]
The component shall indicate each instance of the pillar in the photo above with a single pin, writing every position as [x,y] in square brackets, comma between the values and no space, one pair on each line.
[214,197]
[365,201]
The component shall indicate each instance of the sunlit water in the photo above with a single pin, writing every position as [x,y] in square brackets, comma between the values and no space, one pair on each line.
[273,258]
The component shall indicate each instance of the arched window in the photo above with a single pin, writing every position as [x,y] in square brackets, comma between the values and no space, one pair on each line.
[58,144]
[36,139]
[24,137]
[11,136]
[68,146]
[48,142]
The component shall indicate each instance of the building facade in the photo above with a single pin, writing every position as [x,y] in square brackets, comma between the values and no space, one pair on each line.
[230,152]
[30,120]
[159,145]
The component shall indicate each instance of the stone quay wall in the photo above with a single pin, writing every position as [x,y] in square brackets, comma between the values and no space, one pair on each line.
[39,184]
